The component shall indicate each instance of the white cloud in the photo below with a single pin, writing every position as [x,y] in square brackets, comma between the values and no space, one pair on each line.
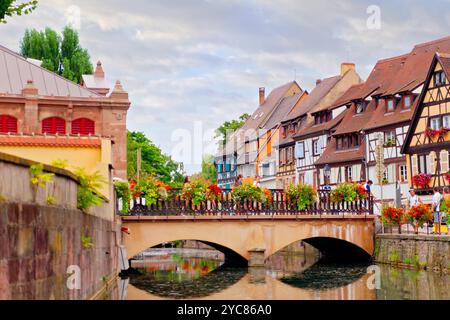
[190,60]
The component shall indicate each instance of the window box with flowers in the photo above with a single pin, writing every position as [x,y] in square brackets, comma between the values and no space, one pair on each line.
[421,180]
[433,134]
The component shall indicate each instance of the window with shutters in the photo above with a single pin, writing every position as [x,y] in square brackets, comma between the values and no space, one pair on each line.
[54,125]
[8,124]
[83,126]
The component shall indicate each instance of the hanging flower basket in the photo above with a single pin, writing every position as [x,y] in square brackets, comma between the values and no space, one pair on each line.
[421,180]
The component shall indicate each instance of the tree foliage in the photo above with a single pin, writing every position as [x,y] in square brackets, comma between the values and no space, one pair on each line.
[59,54]
[154,161]
[228,127]
[209,171]
[9,8]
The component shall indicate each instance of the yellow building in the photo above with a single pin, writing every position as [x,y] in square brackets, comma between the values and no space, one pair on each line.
[91,153]
[427,144]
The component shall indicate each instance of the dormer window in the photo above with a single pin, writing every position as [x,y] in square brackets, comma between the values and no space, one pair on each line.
[407,101]
[439,78]
[323,117]
[390,105]
[284,131]
[360,107]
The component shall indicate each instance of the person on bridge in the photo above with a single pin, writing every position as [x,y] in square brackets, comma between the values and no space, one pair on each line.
[413,200]
[436,203]
[238,180]
[368,186]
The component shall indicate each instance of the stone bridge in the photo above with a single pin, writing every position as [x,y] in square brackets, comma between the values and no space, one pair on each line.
[251,239]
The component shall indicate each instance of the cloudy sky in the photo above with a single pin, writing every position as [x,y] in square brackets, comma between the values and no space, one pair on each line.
[189,65]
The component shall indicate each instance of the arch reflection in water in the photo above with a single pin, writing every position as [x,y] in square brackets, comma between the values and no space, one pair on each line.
[322,276]
[181,275]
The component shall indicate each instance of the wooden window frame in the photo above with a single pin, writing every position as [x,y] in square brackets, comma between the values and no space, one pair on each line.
[430,120]
[315,142]
[411,99]
[393,100]
[303,146]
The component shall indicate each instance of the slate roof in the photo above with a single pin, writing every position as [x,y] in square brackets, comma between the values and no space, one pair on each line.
[15,71]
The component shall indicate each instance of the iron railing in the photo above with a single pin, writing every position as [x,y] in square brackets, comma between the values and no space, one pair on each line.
[226,206]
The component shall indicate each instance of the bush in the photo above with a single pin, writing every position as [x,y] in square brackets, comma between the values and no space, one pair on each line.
[123,191]
[89,184]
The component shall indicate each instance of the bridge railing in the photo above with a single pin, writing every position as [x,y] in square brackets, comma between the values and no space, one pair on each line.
[225,205]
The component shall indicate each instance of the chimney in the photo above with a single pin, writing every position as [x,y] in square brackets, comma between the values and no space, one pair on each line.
[347,66]
[262,95]
[318,81]
[99,73]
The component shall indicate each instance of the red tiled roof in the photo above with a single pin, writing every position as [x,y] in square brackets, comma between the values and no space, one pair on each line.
[415,69]
[320,91]
[381,118]
[311,129]
[353,122]
[15,71]
[272,100]
[351,94]
[282,110]
[50,141]
[332,155]
[444,60]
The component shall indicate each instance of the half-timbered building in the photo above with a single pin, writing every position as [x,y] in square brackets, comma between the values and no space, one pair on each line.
[313,117]
[254,141]
[427,143]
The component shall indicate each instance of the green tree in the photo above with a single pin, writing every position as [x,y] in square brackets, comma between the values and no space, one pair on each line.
[209,171]
[9,8]
[154,161]
[228,127]
[54,50]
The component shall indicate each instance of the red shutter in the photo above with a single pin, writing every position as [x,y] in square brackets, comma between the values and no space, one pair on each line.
[8,124]
[83,126]
[54,125]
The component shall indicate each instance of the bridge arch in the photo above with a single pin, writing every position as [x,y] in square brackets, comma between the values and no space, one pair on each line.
[241,236]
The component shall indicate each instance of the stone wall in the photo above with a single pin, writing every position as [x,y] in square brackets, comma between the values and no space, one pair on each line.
[414,251]
[38,243]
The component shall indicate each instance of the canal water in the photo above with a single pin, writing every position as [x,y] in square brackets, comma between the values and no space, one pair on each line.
[290,275]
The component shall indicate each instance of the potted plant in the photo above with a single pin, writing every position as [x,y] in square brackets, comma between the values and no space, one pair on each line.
[266,197]
[395,216]
[421,180]
[301,195]
[418,215]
